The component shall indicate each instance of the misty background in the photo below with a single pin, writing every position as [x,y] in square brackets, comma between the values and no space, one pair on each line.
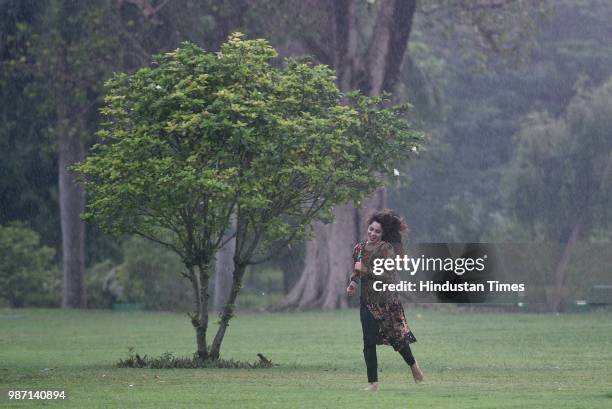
[515,99]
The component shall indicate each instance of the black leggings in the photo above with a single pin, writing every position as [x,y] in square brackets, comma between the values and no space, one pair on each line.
[369,326]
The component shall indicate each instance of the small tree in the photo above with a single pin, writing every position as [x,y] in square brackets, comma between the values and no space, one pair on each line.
[204,136]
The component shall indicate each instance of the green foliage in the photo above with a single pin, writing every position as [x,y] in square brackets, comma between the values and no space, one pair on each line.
[28,276]
[484,109]
[506,28]
[102,285]
[467,217]
[149,274]
[27,164]
[263,286]
[563,167]
[201,135]
[167,360]
[263,279]
[201,138]
[54,58]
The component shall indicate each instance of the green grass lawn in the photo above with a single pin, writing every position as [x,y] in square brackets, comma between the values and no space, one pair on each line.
[470,360]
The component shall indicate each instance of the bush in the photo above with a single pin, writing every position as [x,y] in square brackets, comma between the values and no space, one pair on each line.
[28,275]
[103,286]
[168,361]
[150,274]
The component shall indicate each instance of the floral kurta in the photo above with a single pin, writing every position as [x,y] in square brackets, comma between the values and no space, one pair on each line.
[384,306]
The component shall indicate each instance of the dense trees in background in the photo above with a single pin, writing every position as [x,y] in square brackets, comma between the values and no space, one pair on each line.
[371,64]
[61,51]
[455,188]
[370,58]
[464,189]
[28,164]
[559,183]
[461,68]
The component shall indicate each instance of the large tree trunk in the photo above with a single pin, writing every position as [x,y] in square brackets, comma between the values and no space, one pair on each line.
[328,264]
[308,291]
[72,204]
[344,233]
[223,274]
[556,295]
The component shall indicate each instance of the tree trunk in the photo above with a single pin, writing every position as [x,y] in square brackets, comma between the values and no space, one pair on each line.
[389,44]
[344,233]
[228,311]
[199,319]
[345,36]
[327,265]
[308,291]
[72,204]
[223,274]
[554,300]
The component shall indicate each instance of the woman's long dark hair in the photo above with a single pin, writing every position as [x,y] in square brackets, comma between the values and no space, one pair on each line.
[392,228]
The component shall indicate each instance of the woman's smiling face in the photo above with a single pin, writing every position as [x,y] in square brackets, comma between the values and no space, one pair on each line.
[374,232]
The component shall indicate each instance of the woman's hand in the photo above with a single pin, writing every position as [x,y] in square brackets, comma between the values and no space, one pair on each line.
[350,290]
[358,266]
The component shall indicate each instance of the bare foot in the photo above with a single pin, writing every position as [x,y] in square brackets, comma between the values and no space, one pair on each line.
[372,387]
[417,374]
